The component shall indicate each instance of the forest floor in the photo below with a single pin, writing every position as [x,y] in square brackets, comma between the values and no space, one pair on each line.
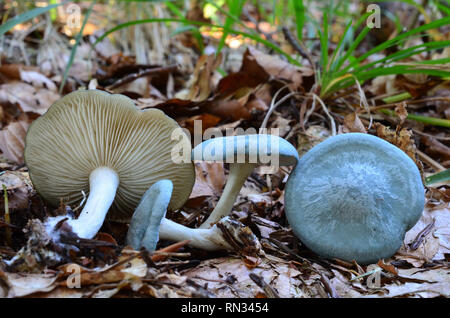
[243,84]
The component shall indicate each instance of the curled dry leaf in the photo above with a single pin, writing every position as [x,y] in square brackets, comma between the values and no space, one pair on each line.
[204,79]
[21,285]
[388,267]
[12,138]
[403,139]
[384,85]
[235,107]
[277,68]
[18,185]
[430,237]
[209,179]
[29,98]
[352,123]
[282,276]
[27,74]
[205,120]
[314,135]
[401,112]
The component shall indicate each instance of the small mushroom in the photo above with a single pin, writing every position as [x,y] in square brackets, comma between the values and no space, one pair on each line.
[148,223]
[353,197]
[144,224]
[101,144]
[243,153]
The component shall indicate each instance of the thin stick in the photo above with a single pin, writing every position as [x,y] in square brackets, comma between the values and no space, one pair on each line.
[300,48]
[417,101]
[325,109]
[7,218]
[436,165]
[169,249]
[273,105]
[145,72]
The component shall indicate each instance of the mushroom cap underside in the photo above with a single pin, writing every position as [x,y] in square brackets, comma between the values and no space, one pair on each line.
[88,129]
[354,196]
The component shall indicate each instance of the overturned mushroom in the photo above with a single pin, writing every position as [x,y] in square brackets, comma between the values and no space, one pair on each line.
[243,153]
[101,144]
[353,197]
[148,224]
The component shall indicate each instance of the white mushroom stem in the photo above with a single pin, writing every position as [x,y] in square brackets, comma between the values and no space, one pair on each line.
[239,172]
[103,183]
[206,239]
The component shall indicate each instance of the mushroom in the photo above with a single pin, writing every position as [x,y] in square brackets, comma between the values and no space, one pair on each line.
[353,197]
[148,223]
[244,153]
[101,144]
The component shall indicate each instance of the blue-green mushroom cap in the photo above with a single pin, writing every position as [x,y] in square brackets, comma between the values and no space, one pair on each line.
[145,222]
[353,197]
[257,148]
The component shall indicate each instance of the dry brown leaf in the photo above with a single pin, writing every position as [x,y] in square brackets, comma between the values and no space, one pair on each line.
[312,136]
[27,74]
[277,68]
[422,290]
[434,244]
[281,276]
[21,285]
[203,80]
[232,108]
[206,120]
[387,267]
[209,179]
[384,85]
[401,112]
[12,138]
[29,98]
[403,139]
[132,269]
[352,123]
[19,187]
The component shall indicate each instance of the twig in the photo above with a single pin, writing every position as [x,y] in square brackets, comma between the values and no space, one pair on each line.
[268,290]
[419,238]
[428,135]
[328,286]
[417,101]
[274,105]
[327,112]
[145,72]
[159,254]
[436,165]
[300,48]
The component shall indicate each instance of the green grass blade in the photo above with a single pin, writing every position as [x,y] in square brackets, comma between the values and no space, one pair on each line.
[423,119]
[336,64]
[155,20]
[440,177]
[299,9]
[324,43]
[231,16]
[235,10]
[398,39]
[8,25]
[174,9]
[414,50]
[443,8]
[361,36]
[400,69]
